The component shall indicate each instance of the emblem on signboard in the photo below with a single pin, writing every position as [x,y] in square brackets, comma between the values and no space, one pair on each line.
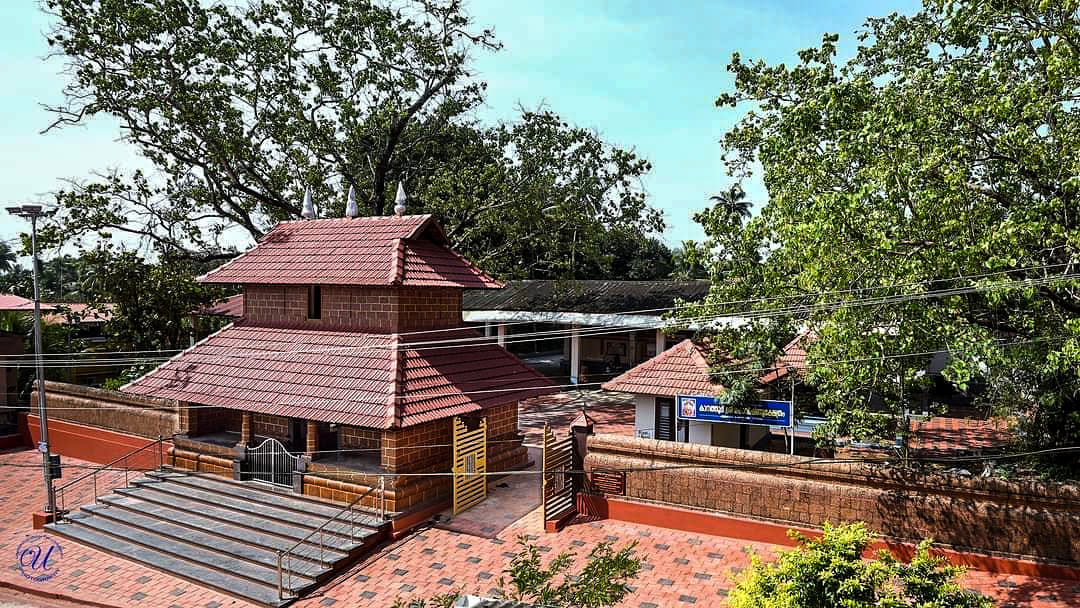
[689,408]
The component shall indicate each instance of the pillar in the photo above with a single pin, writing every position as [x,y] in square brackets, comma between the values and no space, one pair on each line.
[312,438]
[661,341]
[575,353]
[247,429]
[502,334]
[487,330]
[631,349]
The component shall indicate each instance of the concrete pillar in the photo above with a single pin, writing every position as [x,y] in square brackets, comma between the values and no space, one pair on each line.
[661,341]
[631,349]
[247,429]
[502,334]
[312,439]
[575,353]
[487,330]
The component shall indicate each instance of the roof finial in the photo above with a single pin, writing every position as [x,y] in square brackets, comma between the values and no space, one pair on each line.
[309,208]
[351,210]
[399,201]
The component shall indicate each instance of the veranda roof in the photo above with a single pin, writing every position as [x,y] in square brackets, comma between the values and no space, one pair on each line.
[362,379]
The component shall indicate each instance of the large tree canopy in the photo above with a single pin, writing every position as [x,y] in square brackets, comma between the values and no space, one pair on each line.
[241,106]
[946,147]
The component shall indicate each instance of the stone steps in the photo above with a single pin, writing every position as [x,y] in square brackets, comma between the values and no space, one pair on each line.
[223,534]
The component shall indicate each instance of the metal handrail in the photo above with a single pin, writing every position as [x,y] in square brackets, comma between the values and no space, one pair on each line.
[60,491]
[286,554]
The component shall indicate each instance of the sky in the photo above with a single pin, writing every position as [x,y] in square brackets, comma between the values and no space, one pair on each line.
[644,74]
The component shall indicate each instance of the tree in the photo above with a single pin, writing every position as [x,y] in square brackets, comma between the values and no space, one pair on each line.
[941,156]
[152,301]
[733,203]
[603,581]
[241,106]
[8,258]
[831,571]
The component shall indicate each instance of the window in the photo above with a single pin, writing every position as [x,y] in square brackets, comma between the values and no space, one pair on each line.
[314,302]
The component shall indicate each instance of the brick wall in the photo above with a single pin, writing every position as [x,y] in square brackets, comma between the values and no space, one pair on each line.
[405,450]
[271,426]
[201,420]
[1031,518]
[359,438]
[134,414]
[381,309]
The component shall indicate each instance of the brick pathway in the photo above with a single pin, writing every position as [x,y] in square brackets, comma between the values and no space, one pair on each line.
[682,568]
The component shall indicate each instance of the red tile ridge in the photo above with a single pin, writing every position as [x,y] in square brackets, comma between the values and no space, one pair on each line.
[397,262]
[396,384]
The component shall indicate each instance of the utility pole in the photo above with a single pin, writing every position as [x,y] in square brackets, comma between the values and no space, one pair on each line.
[33,213]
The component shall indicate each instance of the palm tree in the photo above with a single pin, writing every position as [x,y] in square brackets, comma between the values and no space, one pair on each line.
[7,257]
[734,201]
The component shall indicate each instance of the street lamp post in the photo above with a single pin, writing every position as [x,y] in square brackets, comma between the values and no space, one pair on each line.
[33,213]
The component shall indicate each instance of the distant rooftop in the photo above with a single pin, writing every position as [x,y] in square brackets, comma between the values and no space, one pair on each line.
[588,296]
[10,301]
[409,250]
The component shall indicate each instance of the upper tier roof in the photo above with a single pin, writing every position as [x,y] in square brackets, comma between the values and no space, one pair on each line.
[345,377]
[409,250]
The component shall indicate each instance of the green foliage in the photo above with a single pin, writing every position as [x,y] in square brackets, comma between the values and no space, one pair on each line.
[945,147]
[240,106]
[831,571]
[603,581]
[153,300]
[130,374]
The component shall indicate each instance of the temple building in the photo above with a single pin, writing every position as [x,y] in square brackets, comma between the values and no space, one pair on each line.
[350,351]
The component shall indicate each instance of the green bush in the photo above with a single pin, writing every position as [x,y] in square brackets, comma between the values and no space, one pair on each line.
[830,571]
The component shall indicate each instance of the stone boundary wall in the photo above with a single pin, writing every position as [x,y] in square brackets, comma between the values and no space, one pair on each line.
[1024,518]
[112,410]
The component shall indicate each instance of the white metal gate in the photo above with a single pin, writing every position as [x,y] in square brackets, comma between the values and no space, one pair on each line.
[270,462]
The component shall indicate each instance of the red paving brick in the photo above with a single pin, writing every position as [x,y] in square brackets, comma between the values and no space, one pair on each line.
[434,560]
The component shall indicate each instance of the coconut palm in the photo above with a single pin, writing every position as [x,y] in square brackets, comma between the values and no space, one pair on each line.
[7,257]
[734,201]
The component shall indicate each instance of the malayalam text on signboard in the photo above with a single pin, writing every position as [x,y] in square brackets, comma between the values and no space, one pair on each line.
[707,409]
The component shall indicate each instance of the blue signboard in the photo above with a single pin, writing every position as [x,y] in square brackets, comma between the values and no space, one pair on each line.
[708,409]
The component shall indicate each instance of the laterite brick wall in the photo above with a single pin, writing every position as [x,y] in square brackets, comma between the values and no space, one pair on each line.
[379,309]
[359,438]
[271,426]
[134,414]
[1028,518]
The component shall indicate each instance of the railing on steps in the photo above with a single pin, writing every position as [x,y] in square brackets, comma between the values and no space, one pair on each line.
[125,462]
[284,558]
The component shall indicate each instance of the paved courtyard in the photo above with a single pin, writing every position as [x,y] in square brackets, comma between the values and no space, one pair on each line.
[611,412]
[466,553]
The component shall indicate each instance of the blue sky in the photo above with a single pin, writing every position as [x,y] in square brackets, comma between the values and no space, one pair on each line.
[643,74]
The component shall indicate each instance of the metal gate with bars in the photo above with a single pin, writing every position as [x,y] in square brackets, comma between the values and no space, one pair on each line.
[469,464]
[558,481]
[270,462]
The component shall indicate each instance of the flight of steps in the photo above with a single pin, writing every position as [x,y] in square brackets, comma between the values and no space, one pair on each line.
[223,534]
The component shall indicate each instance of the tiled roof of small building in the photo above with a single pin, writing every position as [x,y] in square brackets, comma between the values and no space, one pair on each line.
[10,301]
[409,250]
[345,377]
[233,306]
[684,370]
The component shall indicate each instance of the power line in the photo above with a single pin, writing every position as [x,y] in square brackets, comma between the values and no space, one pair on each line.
[338,408]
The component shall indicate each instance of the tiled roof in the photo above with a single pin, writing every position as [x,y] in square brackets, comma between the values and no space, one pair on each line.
[597,297]
[407,250]
[83,313]
[682,369]
[942,436]
[372,380]
[233,306]
[10,301]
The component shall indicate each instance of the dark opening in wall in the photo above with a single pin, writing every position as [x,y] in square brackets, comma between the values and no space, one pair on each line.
[314,302]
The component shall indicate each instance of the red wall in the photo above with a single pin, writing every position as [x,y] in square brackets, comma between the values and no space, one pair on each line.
[93,444]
